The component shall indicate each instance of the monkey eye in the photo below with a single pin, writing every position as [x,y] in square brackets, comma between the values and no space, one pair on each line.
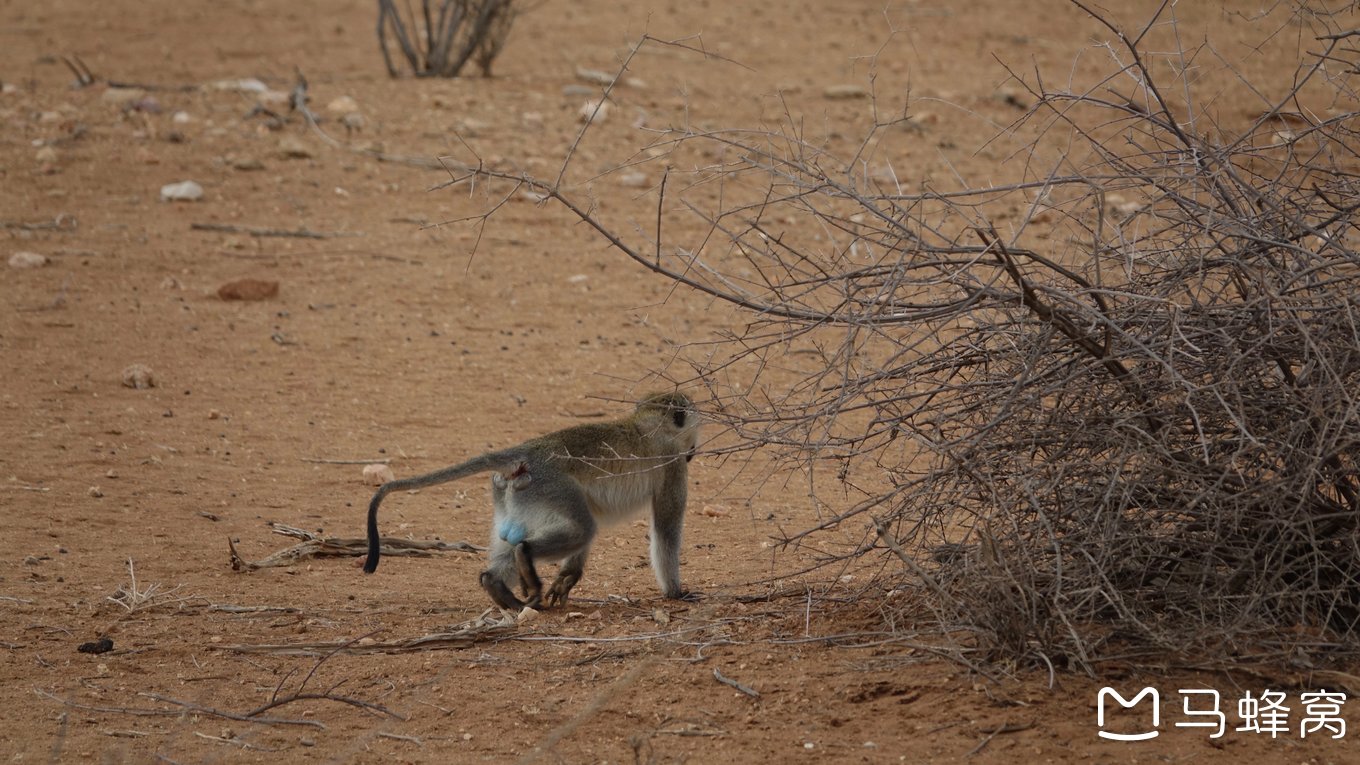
[679,415]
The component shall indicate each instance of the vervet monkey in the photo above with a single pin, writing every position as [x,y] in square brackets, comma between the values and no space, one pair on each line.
[550,494]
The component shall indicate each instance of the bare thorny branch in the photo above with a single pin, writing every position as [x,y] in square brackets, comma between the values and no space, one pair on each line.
[1141,427]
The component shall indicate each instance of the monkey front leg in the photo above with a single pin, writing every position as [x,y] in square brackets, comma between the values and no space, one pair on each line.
[668,520]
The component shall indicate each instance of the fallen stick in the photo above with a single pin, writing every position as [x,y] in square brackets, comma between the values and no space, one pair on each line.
[230,609]
[144,712]
[321,461]
[994,732]
[465,635]
[746,689]
[63,222]
[314,546]
[301,233]
[234,742]
[232,715]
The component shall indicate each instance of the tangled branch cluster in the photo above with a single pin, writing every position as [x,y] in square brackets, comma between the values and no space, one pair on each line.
[1147,432]
[1129,421]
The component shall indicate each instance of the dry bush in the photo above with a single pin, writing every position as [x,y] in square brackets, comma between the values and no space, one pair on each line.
[1128,422]
[446,34]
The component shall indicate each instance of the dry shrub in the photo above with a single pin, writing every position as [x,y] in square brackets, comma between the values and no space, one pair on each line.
[446,34]
[1130,421]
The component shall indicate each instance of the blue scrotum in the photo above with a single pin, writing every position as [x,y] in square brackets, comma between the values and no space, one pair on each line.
[511,531]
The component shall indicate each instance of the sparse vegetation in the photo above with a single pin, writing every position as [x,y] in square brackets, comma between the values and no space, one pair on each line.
[446,34]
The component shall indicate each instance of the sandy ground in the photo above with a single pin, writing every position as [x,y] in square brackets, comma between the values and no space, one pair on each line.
[394,339]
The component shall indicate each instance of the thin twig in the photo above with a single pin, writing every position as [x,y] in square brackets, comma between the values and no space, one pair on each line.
[746,689]
[301,233]
[994,732]
[143,712]
[320,461]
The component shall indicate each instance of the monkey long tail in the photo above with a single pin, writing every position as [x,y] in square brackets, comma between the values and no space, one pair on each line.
[503,460]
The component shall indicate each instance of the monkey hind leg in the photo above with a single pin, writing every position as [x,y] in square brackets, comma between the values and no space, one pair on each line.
[500,594]
[567,577]
[502,570]
[528,575]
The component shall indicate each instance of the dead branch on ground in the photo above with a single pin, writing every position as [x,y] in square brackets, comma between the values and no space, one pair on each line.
[490,626]
[255,231]
[131,598]
[314,546]
[178,710]
[301,694]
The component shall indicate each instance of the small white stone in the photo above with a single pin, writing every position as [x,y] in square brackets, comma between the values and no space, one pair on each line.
[594,75]
[121,96]
[527,615]
[184,191]
[249,85]
[342,105]
[181,118]
[378,474]
[471,127]
[594,111]
[139,377]
[844,92]
[23,259]
[294,148]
